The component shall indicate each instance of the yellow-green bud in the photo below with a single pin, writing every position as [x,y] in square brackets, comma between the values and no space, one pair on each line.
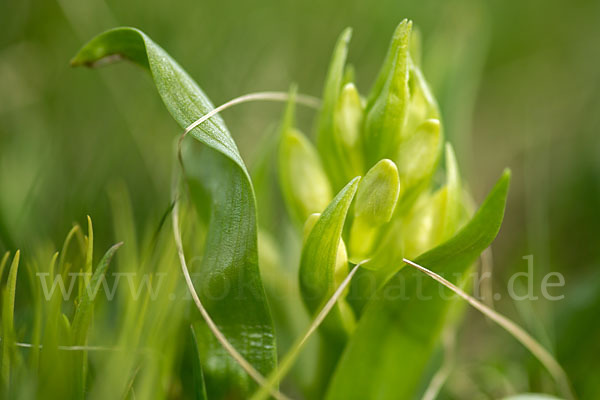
[305,185]
[435,217]
[378,193]
[348,116]
[309,225]
[347,123]
[418,155]
[376,201]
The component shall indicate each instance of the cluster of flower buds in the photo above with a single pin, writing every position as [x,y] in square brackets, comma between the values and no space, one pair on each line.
[393,139]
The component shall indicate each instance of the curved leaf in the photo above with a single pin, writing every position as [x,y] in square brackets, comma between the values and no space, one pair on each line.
[395,338]
[222,191]
[320,267]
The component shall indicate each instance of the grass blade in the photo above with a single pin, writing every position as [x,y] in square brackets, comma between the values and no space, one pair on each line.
[8,314]
[543,355]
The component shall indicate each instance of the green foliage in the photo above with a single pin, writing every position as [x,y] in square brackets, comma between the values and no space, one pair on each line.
[323,266]
[373,343]
[228,279]
[400,327]
[8,312]
[304,184]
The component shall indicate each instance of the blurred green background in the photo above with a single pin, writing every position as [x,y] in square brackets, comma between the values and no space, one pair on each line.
[518,83]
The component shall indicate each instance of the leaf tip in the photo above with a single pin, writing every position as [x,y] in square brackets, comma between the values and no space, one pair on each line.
[16,258]
[346,35]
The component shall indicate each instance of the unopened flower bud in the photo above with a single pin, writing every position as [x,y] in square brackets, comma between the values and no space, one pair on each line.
[377,194]
[376,201]
[419,155]
[305,185]
[348,116]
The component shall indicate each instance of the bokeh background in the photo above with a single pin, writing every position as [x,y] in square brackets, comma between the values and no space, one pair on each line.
[518,83]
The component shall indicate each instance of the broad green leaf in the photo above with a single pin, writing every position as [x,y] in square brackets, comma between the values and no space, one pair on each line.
[8,314]
[400,327]
[221,190]
[304,184]
[183,98]
[321,269]
[198,375]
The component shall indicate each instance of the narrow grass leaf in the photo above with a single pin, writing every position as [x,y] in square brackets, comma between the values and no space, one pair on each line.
[62,263]
[8,313]
[83,317]
[3,263]
[515,330]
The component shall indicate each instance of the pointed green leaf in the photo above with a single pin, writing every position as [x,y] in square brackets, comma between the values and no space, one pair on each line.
[321,267]
[395,338]
[334,159]
[388,103]
[222,190]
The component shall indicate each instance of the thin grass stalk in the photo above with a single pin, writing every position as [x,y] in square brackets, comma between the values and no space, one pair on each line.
[543,355]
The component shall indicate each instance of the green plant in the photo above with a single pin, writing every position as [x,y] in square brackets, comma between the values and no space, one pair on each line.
[373,343]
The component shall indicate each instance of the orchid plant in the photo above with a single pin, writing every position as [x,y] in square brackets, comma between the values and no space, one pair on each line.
[375,189]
